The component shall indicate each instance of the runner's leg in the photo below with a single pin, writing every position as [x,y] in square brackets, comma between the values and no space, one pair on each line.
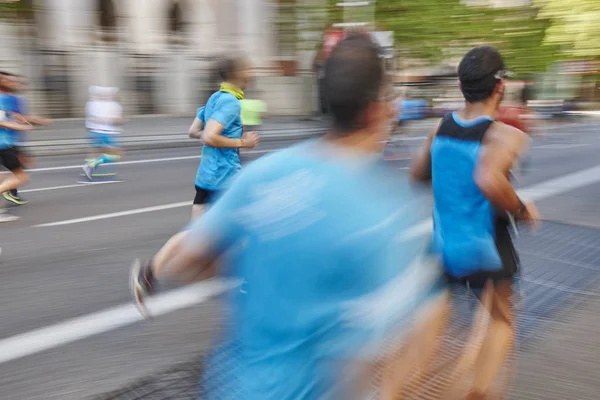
[14,179]
[107,150]
[107,155]
[26,162]
[201,201]
[497,342]
[413,359]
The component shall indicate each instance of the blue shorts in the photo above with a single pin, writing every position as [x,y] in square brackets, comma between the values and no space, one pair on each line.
[103,140]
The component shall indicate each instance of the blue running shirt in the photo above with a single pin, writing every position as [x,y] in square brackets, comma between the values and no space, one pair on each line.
[465,223]
[9,104]
[218,166]
[329,265]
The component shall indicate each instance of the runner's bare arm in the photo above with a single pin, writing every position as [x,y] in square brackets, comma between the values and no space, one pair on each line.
[420,170]
[14,126]
[36,120]
[189,263]
[212,137]
[195,131]
[501,148]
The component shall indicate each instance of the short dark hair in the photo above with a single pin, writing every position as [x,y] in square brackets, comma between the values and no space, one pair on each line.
[478,71]
[228,66]
[354,76]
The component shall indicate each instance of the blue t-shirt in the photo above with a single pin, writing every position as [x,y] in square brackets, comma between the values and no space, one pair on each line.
[10,104]
[328,270]
[218,166]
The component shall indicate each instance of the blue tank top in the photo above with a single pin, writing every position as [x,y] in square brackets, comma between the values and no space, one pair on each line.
[465,223]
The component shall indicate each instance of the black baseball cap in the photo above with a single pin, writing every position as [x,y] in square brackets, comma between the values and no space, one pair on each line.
[482,63]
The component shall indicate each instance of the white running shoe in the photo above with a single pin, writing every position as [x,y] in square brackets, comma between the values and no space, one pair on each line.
[87,170]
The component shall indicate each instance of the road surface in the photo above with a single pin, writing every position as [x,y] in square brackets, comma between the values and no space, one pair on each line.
[68,331]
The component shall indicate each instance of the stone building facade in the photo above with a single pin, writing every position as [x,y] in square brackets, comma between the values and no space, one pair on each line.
[159,52]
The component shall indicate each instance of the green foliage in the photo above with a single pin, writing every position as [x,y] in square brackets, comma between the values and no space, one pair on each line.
[439,30]
[575,26]
[10,9]
[432,29]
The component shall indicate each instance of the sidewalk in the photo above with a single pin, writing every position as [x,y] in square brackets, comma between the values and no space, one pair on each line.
[559,325]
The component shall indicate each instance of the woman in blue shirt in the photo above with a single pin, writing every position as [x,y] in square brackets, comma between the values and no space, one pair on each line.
[218,125]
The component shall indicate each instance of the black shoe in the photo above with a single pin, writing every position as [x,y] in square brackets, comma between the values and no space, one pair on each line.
[141,283]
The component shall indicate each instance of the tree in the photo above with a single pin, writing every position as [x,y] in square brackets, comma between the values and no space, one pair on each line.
[437,31]
[574,26]
[432,29]
[21,9]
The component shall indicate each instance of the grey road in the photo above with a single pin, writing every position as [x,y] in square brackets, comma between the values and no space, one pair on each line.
[75,265]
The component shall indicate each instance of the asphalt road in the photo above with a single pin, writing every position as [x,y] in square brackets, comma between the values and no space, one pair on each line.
[52,274]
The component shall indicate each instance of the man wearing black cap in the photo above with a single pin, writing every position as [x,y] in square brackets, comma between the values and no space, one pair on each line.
[468,159]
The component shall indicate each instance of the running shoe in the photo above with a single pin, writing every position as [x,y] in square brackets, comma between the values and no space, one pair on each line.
[88,171]
[14,198]
[141,284]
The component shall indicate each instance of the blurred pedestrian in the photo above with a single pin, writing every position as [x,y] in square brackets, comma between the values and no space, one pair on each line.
[10,125]
[516,115]
[319,233]
[16,106]
[104,120]
[219,126]
[468,157]
[319,70]
[253,110]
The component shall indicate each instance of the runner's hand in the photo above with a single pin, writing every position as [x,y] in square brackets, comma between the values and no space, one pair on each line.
[531,215]
[250,140]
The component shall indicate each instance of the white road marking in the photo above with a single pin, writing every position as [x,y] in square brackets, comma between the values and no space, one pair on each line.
[116,214]
[134,162]
[536,192]
[33,342]
[156,160]
[562,184]
[545,189]
[44,189]
[69,331]
[558,146]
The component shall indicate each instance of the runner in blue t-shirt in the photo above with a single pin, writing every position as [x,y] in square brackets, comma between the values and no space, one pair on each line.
[218,124]
[16,110]
[10,124]
[320,236]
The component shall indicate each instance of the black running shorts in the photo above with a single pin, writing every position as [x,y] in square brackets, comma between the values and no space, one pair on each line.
[21,152]
[508,256]
[9,159]
[205,197]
